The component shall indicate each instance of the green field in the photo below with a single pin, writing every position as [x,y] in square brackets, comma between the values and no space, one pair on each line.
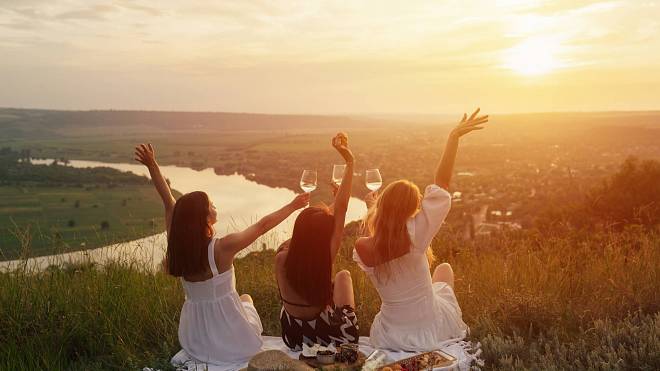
[58,219]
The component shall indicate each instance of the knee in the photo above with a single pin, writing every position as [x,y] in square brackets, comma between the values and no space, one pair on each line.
[247,298]
[343,276]
[444,267]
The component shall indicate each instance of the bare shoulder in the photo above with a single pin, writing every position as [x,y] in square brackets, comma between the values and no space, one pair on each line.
[364,248]
[284,245]
[222,255]
[225,243]
[363,242]
[282,252]
[280,257]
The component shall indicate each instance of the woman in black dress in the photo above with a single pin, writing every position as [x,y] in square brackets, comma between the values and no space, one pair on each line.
[315,308]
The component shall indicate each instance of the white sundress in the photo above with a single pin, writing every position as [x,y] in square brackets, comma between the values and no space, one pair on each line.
[216,327]
[416,314]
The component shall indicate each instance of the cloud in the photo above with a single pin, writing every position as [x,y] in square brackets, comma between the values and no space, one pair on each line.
[19,25]
[96,12]
[134,5]
[340,46]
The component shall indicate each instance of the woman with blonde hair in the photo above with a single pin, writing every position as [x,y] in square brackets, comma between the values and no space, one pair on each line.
[419,311]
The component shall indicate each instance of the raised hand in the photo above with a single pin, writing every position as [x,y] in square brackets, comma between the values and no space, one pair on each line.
[340,142]
[370,199]
[145,154]
[300,201]
[446,166]
[335,188]
[472,123]
[340,206]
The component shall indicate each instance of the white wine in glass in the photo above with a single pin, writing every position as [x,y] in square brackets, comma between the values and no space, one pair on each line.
[338,174]
[308,181]
[373,179]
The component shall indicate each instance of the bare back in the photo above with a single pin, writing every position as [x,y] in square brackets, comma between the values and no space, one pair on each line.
[288,294]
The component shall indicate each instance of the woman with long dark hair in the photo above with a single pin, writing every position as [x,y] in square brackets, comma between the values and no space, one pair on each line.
[315,307]
[216,324]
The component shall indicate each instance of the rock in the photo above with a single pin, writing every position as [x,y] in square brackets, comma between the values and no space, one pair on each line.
[275,360]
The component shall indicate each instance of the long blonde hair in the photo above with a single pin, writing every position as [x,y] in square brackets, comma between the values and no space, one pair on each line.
[386,223]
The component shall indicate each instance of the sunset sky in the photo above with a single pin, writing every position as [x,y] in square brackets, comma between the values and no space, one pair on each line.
[331,57]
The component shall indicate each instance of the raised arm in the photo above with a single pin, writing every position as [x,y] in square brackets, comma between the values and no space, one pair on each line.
[446,167]
[145,154]
[235,242]
[340,142]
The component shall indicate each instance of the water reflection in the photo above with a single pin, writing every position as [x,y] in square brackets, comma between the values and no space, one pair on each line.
[240,202]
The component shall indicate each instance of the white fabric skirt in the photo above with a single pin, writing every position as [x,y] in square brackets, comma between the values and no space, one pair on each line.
[440,324]
[223,330]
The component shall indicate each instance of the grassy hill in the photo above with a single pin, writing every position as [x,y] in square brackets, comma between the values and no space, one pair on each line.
[555,301]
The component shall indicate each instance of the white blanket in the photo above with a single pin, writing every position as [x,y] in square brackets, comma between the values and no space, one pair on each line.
[465,352]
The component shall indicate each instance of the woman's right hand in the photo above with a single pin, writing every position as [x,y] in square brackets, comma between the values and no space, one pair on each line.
[300,201]
[145,154]
[340,142]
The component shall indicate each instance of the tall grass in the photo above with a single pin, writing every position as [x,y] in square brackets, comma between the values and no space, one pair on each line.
[572,301]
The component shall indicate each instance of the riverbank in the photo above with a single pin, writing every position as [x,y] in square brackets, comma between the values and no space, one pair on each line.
[240,203]
[570,301]
[51,208]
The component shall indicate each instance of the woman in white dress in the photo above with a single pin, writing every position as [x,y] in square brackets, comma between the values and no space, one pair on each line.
[419,311]
[217,326]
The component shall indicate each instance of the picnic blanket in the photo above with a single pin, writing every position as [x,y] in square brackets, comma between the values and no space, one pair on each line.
[465,352]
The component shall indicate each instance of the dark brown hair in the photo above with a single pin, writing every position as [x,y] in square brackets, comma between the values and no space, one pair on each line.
[189,236]
[308,265]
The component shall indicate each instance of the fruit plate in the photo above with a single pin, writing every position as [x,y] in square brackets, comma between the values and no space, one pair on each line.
[436,360]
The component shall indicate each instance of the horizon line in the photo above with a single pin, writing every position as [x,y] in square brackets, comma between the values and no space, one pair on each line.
[363,114]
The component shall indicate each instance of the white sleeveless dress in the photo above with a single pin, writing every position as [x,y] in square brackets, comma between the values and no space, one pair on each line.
[416,314]
[216,327]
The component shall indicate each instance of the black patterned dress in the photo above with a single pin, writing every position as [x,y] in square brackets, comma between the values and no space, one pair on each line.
[331,326]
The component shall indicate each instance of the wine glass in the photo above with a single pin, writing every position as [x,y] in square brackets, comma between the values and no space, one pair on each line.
[308,181]
[338,174]
[373,179]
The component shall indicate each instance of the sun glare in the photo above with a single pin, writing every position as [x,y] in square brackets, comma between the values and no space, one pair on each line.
[533,56]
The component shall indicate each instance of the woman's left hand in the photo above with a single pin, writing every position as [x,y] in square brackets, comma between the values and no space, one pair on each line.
[370,199]
[301,200]
[340,142]
[472,123]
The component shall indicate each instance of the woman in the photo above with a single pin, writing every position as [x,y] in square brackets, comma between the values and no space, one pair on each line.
[316,309]
[419,312]
[216,325]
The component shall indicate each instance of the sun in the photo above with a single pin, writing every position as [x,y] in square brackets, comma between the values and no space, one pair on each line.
[533,56]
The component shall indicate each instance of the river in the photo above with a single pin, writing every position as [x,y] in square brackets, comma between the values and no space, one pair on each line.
[239,201]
